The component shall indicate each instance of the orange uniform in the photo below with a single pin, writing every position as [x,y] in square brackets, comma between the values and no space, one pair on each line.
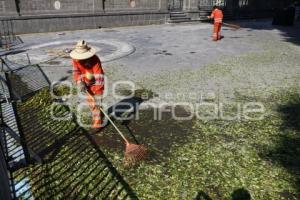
[90,73]
[217,15]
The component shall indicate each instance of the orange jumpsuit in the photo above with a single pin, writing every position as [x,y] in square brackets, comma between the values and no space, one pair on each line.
[90,72]
[217,15]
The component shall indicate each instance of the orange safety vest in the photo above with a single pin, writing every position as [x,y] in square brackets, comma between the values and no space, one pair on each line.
[91,73]
[217,15]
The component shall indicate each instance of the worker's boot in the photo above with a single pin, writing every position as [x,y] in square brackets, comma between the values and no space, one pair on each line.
[96,127]
[97,124]
[214,37]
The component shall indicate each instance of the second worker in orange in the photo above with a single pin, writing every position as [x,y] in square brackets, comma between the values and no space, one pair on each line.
[217,15]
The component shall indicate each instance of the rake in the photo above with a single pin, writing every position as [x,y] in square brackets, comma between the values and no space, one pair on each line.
[133,152]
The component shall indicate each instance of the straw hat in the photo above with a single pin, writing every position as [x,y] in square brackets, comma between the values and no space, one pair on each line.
[82,51]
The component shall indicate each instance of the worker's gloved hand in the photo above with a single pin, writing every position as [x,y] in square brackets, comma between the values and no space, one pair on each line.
[82,87]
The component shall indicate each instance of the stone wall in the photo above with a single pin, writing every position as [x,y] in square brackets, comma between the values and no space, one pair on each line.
[190,5]
[46,7]
[8,8]
[62,7]
[32,7]
[86,21]
[133,5]
[58,15]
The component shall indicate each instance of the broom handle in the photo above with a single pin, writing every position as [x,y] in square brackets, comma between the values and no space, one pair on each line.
[106,115]
[226,24]
[118,130]
[230,25]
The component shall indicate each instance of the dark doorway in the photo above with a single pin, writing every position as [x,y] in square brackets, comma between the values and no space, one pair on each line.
[175,5]
[205,4]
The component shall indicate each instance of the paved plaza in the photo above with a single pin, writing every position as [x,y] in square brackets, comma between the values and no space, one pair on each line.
[227,157]
[178,58]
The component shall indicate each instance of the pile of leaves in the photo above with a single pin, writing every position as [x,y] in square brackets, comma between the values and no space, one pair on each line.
[215,159]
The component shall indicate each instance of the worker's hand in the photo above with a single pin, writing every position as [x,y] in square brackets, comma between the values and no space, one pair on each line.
[208,17]
[82,87]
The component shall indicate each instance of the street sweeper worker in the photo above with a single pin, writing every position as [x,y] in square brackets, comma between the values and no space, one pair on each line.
[89,77]
[217,15]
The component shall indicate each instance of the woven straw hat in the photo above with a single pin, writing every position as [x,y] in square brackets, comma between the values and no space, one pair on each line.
[82,51]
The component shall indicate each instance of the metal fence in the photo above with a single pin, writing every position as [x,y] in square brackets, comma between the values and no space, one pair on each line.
[60,153]
[8,38]
[5,191]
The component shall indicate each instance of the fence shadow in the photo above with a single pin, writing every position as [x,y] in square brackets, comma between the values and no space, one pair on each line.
[72,164]
[78,169]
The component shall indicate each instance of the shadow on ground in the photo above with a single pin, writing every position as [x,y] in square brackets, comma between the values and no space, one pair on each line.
[287,151]
[157,131]
[289,33]
[79,170]
[73,165]
[65,161]
[239,194]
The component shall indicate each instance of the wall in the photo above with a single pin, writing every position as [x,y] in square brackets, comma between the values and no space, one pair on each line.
[77,22]
[59,15]
[133,5]
[32,7]
[190,5]
[46,7]
[8,8]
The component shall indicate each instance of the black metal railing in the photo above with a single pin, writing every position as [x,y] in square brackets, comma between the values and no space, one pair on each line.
[8,38]
[65,161]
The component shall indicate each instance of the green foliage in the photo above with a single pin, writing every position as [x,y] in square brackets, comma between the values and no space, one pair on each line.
[222,159]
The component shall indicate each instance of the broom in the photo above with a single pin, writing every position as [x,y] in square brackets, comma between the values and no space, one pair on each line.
[232,25]
[229,25]
[133,152]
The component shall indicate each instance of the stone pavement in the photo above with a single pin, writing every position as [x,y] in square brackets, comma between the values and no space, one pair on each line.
[145,54]
[158,47]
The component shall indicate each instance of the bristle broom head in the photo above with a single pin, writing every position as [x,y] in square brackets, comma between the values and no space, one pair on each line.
[134,154]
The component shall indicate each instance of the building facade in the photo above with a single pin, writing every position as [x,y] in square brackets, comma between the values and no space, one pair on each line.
[56,15]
